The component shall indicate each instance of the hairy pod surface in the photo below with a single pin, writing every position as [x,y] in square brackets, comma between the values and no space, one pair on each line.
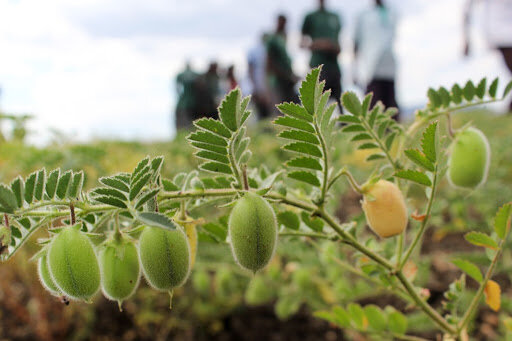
[470,159]
[45,277]
[73,264]
[165,257]
[253,231]
[385,209]
[120,270]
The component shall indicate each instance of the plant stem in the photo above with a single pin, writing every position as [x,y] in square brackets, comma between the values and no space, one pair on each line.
[6,221]
[407,337]
[423,226]
[72,213]
[352,181]
[399,248]
[348,239]
[244,177]
[325,172]
[382,147]
[232,161]
[352,269]
[198,193]
[476,299]
[431,312]
[307,234]
[419,123]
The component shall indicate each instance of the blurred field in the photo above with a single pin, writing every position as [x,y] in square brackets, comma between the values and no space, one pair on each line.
[213,305]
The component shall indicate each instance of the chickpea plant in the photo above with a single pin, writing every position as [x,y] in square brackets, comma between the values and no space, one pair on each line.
[138,223]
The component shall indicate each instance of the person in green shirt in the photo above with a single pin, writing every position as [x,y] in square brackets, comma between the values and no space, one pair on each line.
[279,65]
[320,34]
[185,87]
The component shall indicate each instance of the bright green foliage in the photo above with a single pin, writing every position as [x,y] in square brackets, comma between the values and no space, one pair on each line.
[469,268]
[165,257]
[222,144]
[120,270]
[45,276]
[137,188]
[502,220]
[373,128]
[253,232]
[73,264]
[426,159]
[469,93]
[308,127]
[470,159]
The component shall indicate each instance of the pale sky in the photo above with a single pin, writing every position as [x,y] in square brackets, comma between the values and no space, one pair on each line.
[103,68]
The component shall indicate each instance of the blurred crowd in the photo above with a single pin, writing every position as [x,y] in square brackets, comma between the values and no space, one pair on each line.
[270,71]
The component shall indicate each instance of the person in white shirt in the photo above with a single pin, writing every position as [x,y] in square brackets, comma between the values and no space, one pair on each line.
[497,27]
[373,49]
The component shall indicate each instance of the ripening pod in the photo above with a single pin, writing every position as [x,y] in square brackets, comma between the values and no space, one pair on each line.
[45,277]
[73,264]
[253,232]
[120,270]
[470,159]
[165,257]
[385,209]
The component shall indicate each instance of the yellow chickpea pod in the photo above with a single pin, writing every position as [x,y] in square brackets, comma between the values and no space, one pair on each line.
[385,209]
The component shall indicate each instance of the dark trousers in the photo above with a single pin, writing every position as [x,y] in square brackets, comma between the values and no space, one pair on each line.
[384,91]
[332,78]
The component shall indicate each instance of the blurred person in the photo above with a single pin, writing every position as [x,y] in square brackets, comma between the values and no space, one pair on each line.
[257,69]
[320,34]
[279,65]
[230,77]
[373,50]
[187,97]
[498,29]
[209,92]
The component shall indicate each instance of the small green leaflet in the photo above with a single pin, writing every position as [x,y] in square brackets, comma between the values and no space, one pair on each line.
[289,220]
[493,88]
[397,322]
[221,144]
[216,231]
[469,91]
[351,103]
[156,219]
[469,268]
[377,319]
[481,239]
[357,316]
[502,220]
[414,176]
[8,201]
[419,158]
[428,142]
[435,100]
[51,183]
[306,177]
[308,90]
[507,90]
